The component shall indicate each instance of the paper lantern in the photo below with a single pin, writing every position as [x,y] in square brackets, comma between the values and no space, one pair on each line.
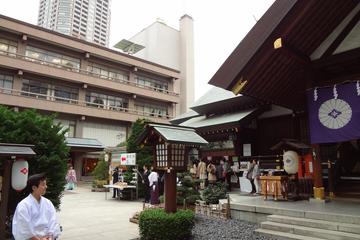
[291,162]
[19,174]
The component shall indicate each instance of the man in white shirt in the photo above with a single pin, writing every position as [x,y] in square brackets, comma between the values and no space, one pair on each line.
[35,216]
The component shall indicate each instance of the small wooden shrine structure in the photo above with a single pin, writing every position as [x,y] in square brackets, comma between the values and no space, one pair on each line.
[8,154]
[171,145]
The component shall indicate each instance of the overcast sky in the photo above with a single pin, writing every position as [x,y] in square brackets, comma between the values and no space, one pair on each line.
[219,25]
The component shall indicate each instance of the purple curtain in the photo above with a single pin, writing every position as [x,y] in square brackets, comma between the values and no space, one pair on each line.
[334,113]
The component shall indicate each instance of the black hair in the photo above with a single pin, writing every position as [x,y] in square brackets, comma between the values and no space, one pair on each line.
[35,180]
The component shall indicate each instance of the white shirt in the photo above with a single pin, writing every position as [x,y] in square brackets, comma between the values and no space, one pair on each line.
[33,218]
[153,177]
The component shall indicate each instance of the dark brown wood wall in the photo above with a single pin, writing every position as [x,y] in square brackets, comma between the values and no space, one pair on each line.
[272,130]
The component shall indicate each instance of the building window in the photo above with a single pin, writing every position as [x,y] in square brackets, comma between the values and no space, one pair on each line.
[104,101]
[37,54]
[65,94]
[108,73]
[8,47]
[47,91]
[155,84]
[6,83]
[34,89]
[151,110]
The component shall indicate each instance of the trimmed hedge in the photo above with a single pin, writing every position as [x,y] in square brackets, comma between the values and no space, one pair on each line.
[157,224]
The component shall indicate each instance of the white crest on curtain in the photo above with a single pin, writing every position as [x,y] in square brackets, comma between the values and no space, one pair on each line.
[358,87]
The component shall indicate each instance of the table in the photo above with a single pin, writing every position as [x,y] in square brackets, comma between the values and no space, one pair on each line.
[121,188]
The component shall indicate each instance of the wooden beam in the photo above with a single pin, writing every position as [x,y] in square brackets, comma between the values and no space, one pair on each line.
[280,44]
[350,55]
[342,36]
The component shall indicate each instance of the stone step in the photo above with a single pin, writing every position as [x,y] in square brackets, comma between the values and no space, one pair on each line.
[285,236]
[327,216]
[309,231]
[315,223]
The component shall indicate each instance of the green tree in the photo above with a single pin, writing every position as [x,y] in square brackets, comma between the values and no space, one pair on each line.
[143,153]
[29,127]
[101,171]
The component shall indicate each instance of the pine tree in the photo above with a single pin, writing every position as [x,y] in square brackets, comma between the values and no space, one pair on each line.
[143,153]
[29,127]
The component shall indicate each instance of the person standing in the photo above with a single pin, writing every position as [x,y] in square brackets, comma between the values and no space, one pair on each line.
[211,169]
[154,187]
[146,174]
[227,174]
[202,173]
[71,178]
[250,176]
[115,177]
[35,216]
[220,171]
[256,175]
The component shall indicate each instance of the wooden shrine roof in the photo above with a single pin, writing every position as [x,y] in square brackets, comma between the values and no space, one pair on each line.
[280,76]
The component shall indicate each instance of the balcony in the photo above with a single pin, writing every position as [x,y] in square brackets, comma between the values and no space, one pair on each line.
[67,73]
[11,97]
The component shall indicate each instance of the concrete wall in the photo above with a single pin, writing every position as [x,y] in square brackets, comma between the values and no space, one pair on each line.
[174,49]
[161,45]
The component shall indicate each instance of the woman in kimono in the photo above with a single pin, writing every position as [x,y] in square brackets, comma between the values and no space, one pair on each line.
[201,171]
[70,179]
[35,216]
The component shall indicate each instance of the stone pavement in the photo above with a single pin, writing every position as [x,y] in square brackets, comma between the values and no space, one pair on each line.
[87,215]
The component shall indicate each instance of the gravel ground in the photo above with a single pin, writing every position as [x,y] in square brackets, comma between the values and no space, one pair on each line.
[213,229]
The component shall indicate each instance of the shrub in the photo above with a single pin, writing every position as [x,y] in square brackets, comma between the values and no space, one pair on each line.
[101,171]
[213,193]
[187,190]
[159,225]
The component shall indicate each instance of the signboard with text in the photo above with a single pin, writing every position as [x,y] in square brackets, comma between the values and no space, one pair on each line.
[124,158]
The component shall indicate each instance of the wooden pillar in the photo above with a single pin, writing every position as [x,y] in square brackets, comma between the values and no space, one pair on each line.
[319,192]
[5,192]
[331,180]
[170,191]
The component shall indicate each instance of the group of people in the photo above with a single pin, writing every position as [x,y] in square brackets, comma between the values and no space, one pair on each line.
[221,172]
[211,173]
[151,181]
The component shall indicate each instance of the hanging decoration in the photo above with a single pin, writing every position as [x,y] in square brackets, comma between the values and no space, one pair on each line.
[334,113]
[19,175]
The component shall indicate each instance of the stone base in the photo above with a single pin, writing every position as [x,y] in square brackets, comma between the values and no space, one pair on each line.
[314,200]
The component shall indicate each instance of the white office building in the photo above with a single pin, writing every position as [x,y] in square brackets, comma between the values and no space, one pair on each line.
[85,19]
[172,48]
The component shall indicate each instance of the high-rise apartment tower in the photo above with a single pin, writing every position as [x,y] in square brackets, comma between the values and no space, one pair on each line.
[85,19]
